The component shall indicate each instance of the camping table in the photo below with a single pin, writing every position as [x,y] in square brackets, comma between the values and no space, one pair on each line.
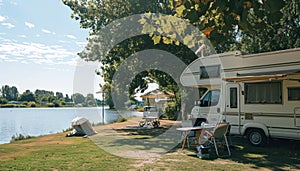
[197,129]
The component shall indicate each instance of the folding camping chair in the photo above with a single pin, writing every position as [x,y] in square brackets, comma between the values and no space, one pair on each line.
[219,136]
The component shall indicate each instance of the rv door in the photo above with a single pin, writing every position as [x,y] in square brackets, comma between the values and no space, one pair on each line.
[232,107]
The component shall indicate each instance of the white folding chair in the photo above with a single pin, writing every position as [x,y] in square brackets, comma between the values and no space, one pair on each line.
[219,136]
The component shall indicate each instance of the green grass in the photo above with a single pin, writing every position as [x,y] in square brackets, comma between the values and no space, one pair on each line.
[57,152]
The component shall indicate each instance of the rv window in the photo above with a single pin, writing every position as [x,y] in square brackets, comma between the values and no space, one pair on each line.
[210,72]
[294,93]
[233,97]
[263,93]
[211,98]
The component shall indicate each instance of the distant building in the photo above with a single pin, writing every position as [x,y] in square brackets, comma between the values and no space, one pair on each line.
[157,98]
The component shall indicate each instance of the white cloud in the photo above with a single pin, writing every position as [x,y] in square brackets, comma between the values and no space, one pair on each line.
[36,53]
[48,32]
[81,44]
[29,25]
[13,3]
[23,36]
[70,36]
[1,17]
[8,25]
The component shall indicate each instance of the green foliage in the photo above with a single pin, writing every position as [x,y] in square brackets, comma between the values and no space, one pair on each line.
[3,101]
[9,93]
[90,100]
[251,26]
[171,111]
[50,104]
[18,137]
[27,96]
[78,98]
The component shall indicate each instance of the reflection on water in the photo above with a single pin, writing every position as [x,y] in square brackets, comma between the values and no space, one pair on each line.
[42,121]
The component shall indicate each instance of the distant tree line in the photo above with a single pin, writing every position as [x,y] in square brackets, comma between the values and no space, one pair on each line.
[11,95]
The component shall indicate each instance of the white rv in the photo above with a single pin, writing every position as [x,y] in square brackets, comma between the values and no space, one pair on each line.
[259,95]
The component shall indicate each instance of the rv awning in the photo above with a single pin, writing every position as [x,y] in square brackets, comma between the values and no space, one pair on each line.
[260,76]
[255,78]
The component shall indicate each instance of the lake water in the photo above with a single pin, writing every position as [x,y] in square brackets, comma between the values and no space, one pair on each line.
[43,121]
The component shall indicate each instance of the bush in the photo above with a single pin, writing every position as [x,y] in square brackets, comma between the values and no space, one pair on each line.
[56,105]
[3,101]
[19,137]
[170,111]
[62,103]
[31,104]
[50,105]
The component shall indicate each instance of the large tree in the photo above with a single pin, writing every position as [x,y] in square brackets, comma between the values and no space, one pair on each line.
[248,25]
[9,93]
[27,96]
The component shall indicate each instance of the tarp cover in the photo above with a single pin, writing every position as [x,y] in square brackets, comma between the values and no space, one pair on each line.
[83,125]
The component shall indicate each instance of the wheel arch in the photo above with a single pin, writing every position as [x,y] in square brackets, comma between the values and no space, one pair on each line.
[249,126]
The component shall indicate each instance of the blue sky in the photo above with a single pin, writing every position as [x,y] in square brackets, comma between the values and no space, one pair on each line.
[38,48]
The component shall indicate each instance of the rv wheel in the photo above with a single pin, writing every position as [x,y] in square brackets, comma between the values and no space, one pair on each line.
[256,137]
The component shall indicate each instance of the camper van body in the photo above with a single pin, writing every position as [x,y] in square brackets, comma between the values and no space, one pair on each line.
[259,95]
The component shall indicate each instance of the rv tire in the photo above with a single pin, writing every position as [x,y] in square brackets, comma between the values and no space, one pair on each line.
[256,137]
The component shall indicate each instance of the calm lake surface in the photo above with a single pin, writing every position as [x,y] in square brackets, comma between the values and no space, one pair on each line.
[43,121]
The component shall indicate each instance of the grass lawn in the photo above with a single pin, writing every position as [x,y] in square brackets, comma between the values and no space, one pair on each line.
[57,152]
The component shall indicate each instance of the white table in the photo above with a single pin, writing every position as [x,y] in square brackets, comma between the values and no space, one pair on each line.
[197,129]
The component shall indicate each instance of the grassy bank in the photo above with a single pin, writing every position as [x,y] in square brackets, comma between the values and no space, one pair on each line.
[57,152]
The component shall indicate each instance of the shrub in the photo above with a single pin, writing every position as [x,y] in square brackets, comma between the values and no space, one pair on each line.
[170,111]
[3,101]
[62,103]
[19,137]
[50,105]
[31,104]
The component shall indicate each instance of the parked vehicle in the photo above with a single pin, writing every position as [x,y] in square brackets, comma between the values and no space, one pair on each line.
[133,107]
[259,95]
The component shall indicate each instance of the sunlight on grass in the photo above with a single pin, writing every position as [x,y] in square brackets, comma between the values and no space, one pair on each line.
[255,156]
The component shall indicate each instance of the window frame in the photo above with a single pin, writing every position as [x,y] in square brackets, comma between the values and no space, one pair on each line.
[209,104]
[246,87]
[204,74]
[288,93]
[233,95]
